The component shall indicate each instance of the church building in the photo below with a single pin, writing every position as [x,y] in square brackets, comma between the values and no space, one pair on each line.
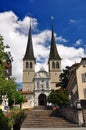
[38,85]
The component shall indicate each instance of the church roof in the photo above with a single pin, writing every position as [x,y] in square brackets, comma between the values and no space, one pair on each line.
[29,54]
[53,50]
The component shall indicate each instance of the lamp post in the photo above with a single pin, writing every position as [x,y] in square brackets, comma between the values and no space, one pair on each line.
[78,105]
[79,113]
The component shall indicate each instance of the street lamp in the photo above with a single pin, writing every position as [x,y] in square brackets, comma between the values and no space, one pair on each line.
[78,105]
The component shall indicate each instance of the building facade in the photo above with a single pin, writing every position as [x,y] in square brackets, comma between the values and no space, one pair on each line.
[40,83]
[77,82]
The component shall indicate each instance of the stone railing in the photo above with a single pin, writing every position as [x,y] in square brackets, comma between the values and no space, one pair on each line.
[84,116]
[69,113]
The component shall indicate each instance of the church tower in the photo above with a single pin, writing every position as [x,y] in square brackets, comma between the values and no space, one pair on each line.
[29,65]
[54,62]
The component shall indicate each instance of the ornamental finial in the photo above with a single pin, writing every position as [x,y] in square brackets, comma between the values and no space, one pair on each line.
[52,18]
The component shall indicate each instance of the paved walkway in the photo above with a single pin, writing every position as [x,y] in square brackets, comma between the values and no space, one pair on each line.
[78,128]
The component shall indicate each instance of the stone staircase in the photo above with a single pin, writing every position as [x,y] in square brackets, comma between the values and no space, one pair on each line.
[40,117]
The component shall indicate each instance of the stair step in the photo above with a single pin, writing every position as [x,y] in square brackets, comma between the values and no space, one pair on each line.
[39,117]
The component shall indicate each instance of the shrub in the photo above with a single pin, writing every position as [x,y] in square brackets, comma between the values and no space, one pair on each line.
[18,119]
[4,122]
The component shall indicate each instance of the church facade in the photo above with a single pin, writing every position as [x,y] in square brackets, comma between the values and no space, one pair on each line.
[37,86]
[42,87]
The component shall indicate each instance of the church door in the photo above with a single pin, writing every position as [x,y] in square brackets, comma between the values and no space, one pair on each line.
[42,100]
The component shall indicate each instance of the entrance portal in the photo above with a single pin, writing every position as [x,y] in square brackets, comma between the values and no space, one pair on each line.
[42,99]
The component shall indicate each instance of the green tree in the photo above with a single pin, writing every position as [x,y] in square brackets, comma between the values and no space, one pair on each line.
[6,86]
[4,122]
[59,97]
[5,56]
[64,77]
[18,98]
[2,53]
[52,98]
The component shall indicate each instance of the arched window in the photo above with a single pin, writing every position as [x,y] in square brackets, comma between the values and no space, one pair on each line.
[53,65]
[57,65]
[27,64]
[31,64]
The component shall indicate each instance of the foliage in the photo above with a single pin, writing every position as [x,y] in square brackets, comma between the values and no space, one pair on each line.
[7,86]
[64,77]
[18,98]
[52,98]
[59,97]
[2,54]
[18,118]
[5,56]
[14,118]
[4,122]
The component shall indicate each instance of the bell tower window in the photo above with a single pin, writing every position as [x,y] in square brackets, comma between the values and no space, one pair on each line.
[57,65]
[27,64]
[31,65]
[53,65]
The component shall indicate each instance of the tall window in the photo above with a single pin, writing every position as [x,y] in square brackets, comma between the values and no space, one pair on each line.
[57,65]
[53,65]
[27,64]
[84,77]
[31,65]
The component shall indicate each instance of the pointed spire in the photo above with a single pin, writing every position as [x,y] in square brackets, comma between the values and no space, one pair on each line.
[29,55]
[53,50]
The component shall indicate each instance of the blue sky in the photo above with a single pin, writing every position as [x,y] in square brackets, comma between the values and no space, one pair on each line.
[70,15]
[69,25]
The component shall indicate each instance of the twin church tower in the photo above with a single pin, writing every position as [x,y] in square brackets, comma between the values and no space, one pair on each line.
[42,80]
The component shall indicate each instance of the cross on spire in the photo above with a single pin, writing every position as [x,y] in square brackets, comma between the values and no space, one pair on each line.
[52,18]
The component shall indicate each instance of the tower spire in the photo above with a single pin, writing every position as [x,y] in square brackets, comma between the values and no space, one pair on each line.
[53,50]
[29,54]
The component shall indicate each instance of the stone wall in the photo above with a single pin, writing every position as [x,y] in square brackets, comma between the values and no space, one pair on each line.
[84,116]
[69,113]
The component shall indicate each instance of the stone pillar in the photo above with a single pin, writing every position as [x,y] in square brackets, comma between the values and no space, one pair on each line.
[80,117]
[79,113]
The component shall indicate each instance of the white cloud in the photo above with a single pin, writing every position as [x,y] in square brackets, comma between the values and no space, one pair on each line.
[61,39]
[14,32]
[70,52]
[42,37]
[79,42]
[70,55]
[9,25]
[72,21]
[23,25]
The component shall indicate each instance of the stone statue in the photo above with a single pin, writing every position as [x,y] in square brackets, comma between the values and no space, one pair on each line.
[4,103]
